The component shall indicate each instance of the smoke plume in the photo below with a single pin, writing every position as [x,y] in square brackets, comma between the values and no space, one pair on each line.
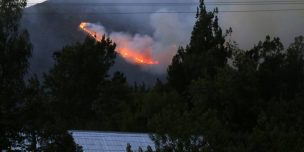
[169,33]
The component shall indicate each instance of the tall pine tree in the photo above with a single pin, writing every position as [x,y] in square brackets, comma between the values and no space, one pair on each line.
[205,53]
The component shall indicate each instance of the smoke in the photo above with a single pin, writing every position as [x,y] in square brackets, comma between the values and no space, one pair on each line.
[140,44]
[251,27]
[53,25]
[170,32]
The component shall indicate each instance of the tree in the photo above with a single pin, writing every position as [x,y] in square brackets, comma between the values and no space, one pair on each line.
[38,132]
[205,53]
[62,141]
[244,106]
[73,84]
[202,59]
[15,49]
[247,107]
[149,149]
[279,122]
[33,114]
[114,97]
[129,148]
[294,71]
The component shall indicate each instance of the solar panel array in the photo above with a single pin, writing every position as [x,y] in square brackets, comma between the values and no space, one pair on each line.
[111,141]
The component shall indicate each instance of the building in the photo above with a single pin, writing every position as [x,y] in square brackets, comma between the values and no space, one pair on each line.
[95,141]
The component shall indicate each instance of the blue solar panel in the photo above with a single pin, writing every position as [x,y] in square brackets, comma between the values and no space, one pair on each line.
[111,141]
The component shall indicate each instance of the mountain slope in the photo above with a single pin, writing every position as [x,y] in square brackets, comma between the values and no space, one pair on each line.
[53,25]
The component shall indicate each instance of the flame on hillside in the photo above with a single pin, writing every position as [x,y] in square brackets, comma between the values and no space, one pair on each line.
[123,48]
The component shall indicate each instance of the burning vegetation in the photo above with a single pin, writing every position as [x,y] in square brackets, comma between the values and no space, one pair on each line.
[123,48]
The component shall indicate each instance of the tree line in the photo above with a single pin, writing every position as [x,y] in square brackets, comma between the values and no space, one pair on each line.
[217,97]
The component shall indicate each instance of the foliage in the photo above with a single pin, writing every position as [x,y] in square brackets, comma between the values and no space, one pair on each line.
[15,49]
[253,103]
[74,81]
[114,96]
[205,53]
[243,106]
[129,149]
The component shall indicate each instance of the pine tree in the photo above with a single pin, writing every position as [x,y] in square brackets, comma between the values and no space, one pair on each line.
[205,53]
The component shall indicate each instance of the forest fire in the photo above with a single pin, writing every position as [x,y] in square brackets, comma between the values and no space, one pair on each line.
[122,49]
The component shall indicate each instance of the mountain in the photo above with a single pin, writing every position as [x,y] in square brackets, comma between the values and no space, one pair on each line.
[55,24]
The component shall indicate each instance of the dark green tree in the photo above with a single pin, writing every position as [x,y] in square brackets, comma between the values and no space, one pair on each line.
[205,53]
[129,148]
[149,149]
[202,59]
[15,49]
[247,106]
[140,149]
[38,132]
[242,106]
[73,84]
[62,141]
[293,69]
[34,115]
[278,125]
[114,97]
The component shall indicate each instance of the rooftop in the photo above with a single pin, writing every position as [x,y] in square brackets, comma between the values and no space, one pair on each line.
[97,141]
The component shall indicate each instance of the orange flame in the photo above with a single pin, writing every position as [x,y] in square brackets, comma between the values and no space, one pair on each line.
[126,53]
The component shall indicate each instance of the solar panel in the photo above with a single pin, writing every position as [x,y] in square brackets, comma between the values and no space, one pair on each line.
[92,141]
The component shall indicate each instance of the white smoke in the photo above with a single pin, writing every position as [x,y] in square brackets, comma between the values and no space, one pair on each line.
[170,32]
[251,27]
[137,43]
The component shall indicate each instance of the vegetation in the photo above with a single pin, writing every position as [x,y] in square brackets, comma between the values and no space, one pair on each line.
[15,49]
[253,103]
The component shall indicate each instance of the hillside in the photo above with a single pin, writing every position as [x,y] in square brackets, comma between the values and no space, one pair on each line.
[53,25]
